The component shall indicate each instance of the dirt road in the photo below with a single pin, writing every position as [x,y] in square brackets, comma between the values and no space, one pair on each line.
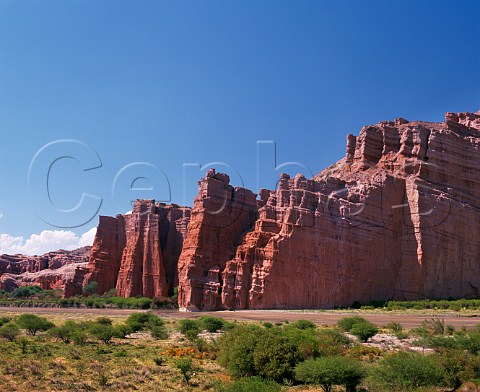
[320,318]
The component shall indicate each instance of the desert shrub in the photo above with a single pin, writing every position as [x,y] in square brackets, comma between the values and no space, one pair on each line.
[271,353]
[23,343]
[64,332]
[33,323]
[394,327]
[4,320]
[405,371]
[159,331]
[146,321]
[275,356]
[189,328]
[103,320]
[79,337]
[363,330]
[184,364]
[267,324]
[306,341]
[102,332]
[236,350]
[210,323]
[251,384]
[137,321]
[90,288]
[346,323]
[458,367]
[159,361]
[332,342]
[122,330]
[330,371]
[26,291]
[9,331]
[304,324]
[434,326]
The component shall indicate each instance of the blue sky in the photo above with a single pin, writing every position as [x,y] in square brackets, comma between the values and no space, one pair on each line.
[175,83]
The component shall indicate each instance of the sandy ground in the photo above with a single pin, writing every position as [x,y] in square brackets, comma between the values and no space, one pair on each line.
[319,317]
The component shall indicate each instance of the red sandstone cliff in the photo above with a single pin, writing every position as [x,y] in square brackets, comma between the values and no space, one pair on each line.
[137,253]
[397,218]
[54,270]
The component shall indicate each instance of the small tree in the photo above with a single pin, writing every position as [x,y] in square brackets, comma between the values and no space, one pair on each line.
[90,288]
[405,371]
[122,330]
[9,331]
[33,323]
[189,328]
[102,332]
[210,323]
[63,332]
[304,324]
[330,371]
[184,364]
[4,320]
[364,330]
[346,323]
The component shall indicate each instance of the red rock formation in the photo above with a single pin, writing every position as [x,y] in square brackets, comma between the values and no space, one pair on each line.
[220,216]
[54,270]
[397,218]
[138,253]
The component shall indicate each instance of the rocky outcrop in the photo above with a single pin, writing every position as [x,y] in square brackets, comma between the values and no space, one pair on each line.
[137,253]
[397,218]
[54,270]
[220,217]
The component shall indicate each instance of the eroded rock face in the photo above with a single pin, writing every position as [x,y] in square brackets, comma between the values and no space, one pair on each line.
[54,270]
[220,217]
[397,218]
[137,253]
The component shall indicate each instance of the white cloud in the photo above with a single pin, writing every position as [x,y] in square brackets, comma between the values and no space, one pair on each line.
[46,241]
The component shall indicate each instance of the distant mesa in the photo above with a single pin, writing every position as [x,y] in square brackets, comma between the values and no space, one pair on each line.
[396,218]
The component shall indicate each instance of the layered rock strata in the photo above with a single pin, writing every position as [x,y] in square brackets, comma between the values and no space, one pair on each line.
[137,253]
[397,218]
[61,269]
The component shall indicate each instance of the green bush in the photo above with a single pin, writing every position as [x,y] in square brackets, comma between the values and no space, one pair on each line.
[330,371]
[251,384]
[5,320]
[90,288]
[394,327]
[64,332]
[210,323]
[102,332]
[306,341]
[458,367]
[122,330]
[184,364]
[406,371]
[159,332]
[104,320]
[147,321]
[270,353]
[346,323]
[236,350]
[189,328]
[9,331]
[363,330]
[332,342]
[275,356]
[304,324]
[26,291]
[33,323]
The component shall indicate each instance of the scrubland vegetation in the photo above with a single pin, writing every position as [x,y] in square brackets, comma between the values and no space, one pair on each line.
[35,296]
[147,353]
